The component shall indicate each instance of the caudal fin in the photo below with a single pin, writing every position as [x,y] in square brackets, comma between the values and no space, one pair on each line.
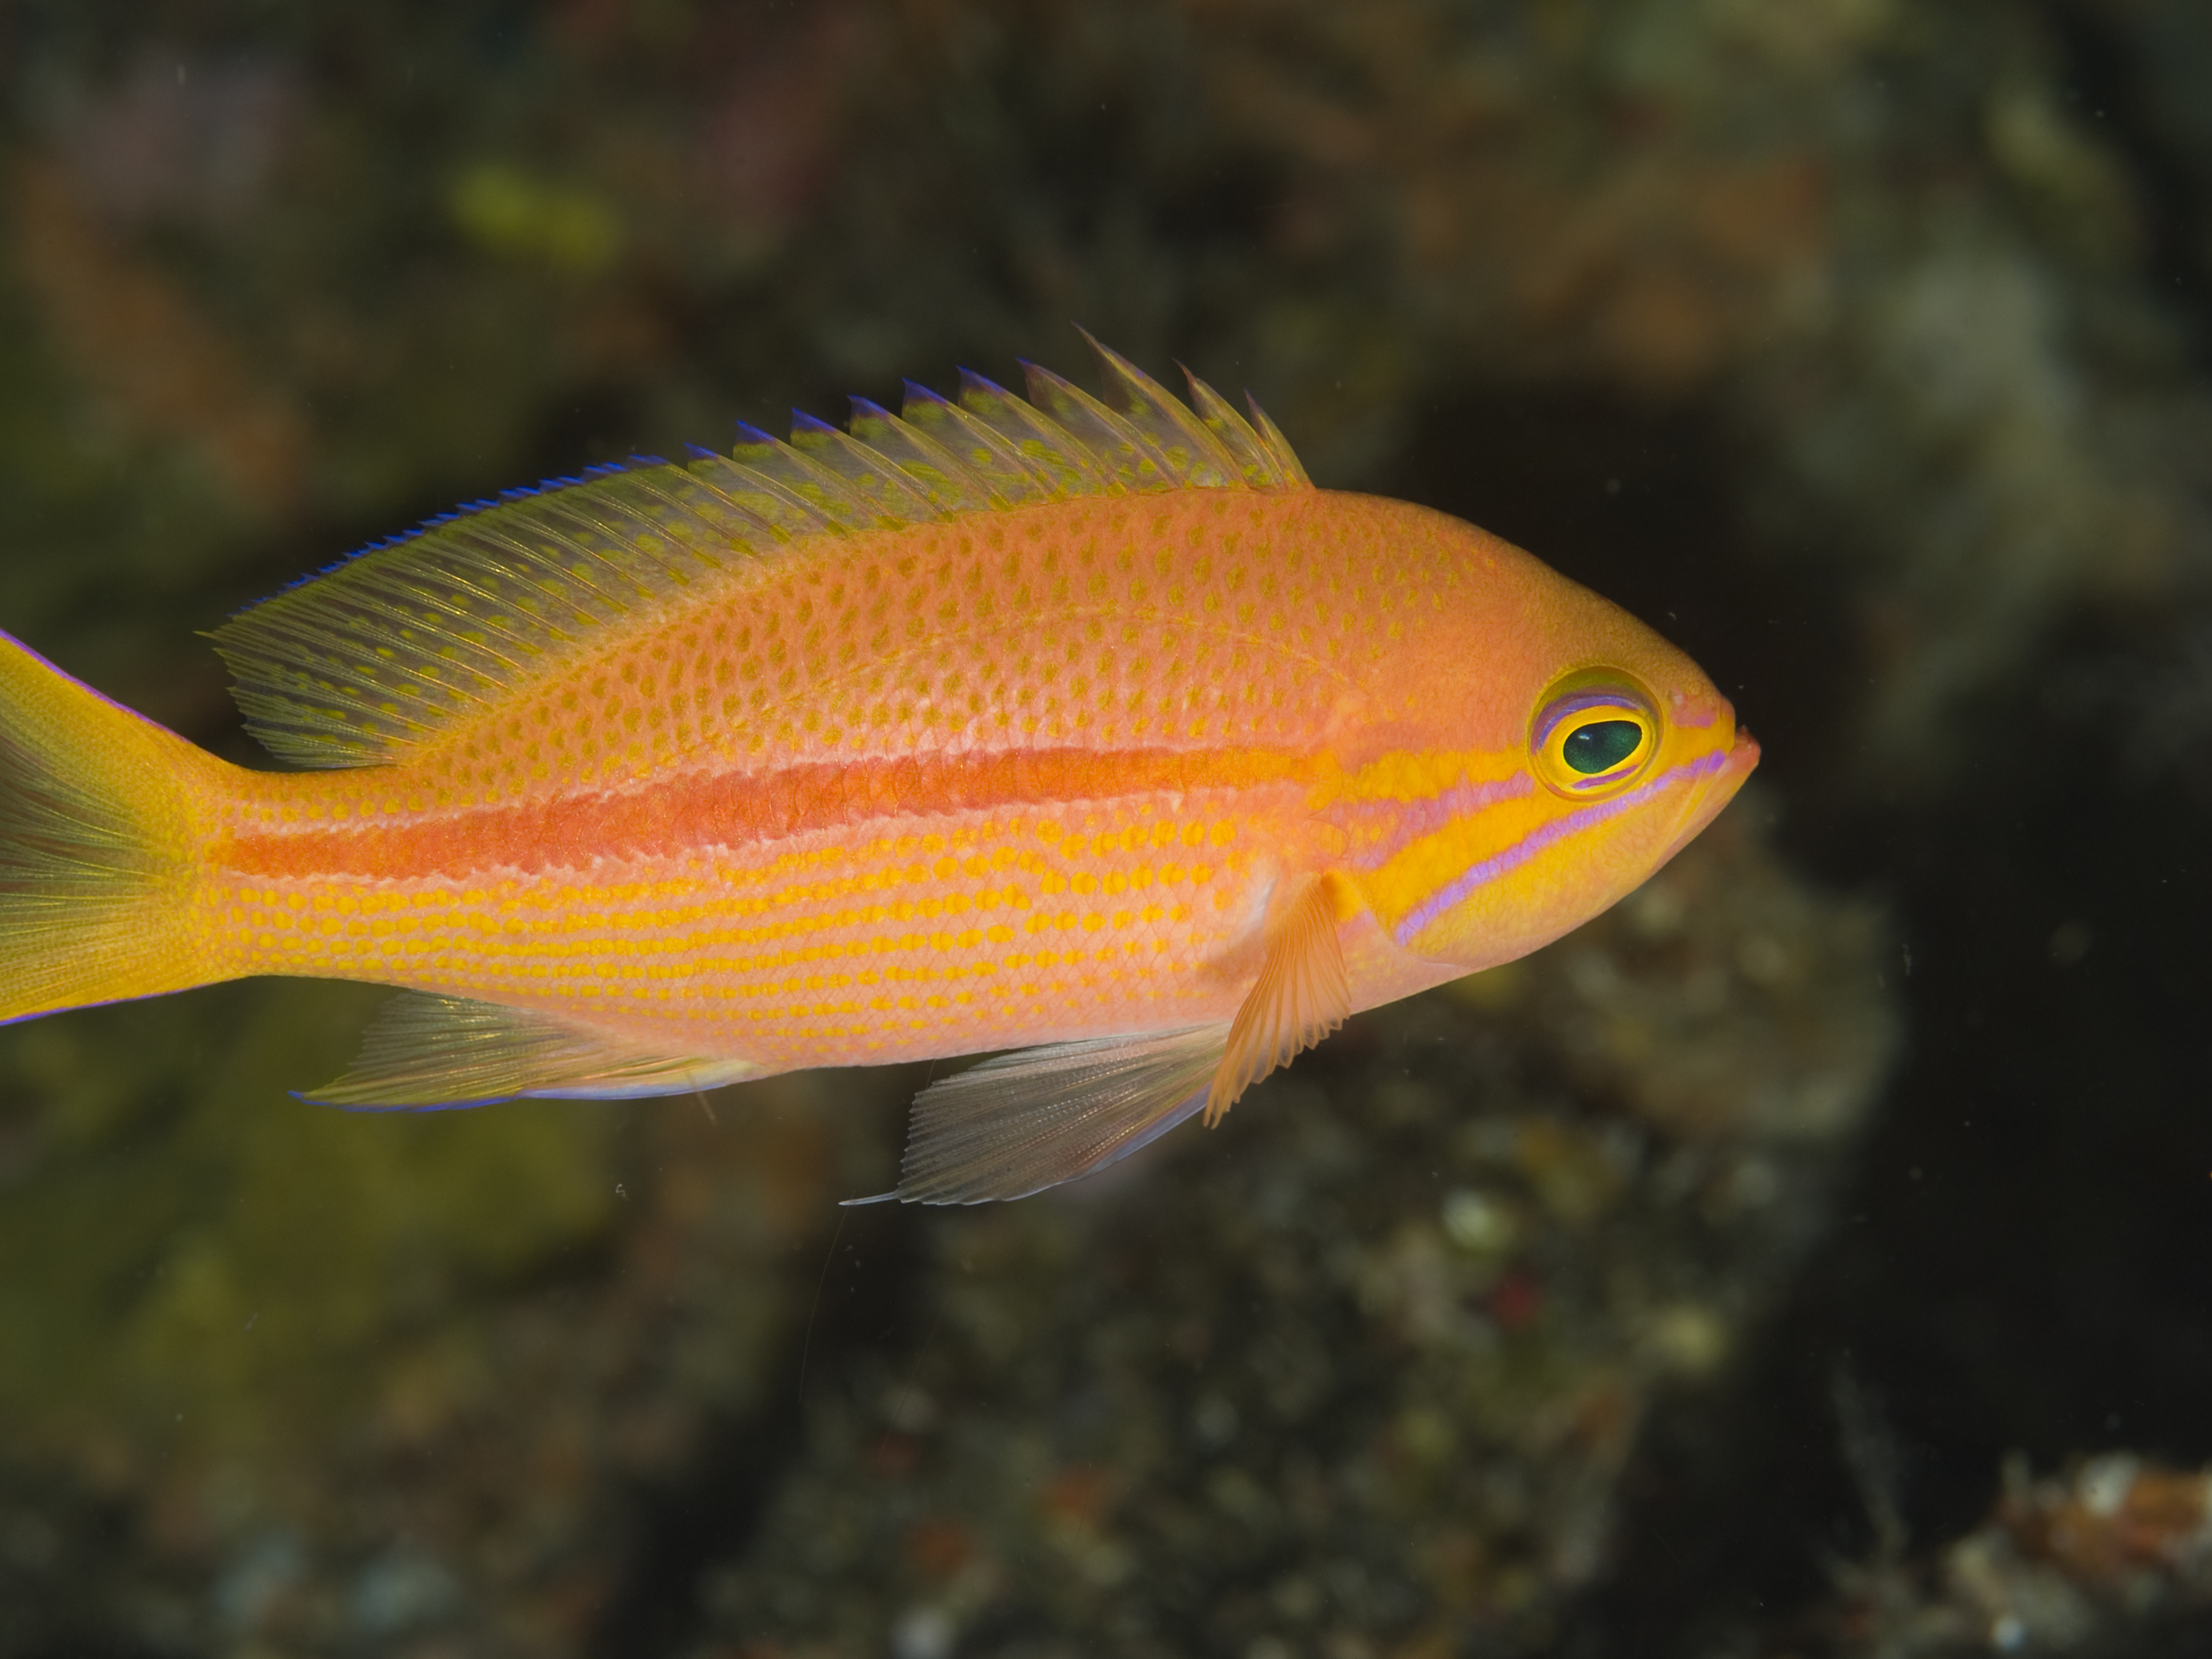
[98,836]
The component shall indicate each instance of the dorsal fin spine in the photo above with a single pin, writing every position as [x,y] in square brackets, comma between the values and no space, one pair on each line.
[783,515]
[1287,465]
[858,467]
[1037,440]
[1011,476]
[383,649]
[1255,464]
[929,467]
[737,527]
[666,497]
[1194,455]
[603,528]
[1135,465]
[785,469]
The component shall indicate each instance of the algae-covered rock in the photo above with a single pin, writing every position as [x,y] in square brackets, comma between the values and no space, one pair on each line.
[1360,1371]
[260,306]
[363,1375]
[1356,1373]
[196,1265]
[340,1377]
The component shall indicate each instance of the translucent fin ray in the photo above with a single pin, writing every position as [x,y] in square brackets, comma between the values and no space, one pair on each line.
[1289,469]
[945,483]
[1256,464]
[1302,994]
[867,472]
[815,487]
[1021,1122]
[1047,447]
[1116,448]
[426,1053]
[380,654]
[996,459]
[1192,455]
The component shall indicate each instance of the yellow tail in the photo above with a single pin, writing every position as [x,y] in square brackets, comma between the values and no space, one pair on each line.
[101,819]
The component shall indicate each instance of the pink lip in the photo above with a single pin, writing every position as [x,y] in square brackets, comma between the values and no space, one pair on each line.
[1715,791]
[1742,757]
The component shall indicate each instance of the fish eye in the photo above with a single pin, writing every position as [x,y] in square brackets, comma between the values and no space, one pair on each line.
[1600,745]
[1594,732]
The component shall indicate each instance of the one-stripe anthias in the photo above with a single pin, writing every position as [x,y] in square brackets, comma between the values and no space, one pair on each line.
[1082,727]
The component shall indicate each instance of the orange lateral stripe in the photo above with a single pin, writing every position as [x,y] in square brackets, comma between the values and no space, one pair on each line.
[701,810]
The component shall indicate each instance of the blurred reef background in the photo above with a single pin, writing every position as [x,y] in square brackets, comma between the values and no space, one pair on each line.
[1811,1258]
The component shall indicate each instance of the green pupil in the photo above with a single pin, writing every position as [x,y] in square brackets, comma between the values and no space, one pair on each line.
[1600,745]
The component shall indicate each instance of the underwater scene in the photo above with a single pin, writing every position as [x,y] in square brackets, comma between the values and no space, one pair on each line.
[1808,1255]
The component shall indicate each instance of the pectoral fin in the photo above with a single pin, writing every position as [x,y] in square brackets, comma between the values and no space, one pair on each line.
[432,1052]
[1023,1121]
[1302,995]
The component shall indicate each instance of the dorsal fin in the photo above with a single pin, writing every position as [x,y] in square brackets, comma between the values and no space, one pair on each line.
[1111,444]
[1263,461]
[356,666]
[1191,452]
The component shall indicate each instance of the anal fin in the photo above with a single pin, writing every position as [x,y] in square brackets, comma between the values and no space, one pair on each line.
[1021,1122]
[432,1052]
[1302,995]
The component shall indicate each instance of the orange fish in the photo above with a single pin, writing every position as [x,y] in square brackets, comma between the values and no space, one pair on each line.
[1087,729]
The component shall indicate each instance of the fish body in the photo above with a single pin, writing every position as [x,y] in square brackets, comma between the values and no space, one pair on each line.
[1091,732]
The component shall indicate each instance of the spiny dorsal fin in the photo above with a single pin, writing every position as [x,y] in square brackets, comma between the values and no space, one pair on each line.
[1180,438]
[1114,447]
[1264,459]
[355,666]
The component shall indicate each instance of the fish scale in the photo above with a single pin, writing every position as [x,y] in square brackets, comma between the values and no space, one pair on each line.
[1084,729]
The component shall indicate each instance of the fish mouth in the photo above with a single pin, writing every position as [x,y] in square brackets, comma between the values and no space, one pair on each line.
[1714,790]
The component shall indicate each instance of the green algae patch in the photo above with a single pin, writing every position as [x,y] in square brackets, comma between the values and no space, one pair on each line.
[190,1260]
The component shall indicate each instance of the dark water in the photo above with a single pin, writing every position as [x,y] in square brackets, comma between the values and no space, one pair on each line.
[1863,1160]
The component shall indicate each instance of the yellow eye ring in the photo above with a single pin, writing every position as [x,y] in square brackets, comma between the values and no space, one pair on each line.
[1594,733]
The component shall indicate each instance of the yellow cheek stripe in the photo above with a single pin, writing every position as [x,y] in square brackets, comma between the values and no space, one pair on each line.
[1424,816]
[1430,862]
[1552,827]
[1411,776]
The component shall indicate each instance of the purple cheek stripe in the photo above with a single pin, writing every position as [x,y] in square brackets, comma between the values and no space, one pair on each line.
[1600,781]
[1432,812]
[1537,840]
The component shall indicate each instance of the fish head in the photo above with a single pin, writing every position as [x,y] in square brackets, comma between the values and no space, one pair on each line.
[1612,749]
